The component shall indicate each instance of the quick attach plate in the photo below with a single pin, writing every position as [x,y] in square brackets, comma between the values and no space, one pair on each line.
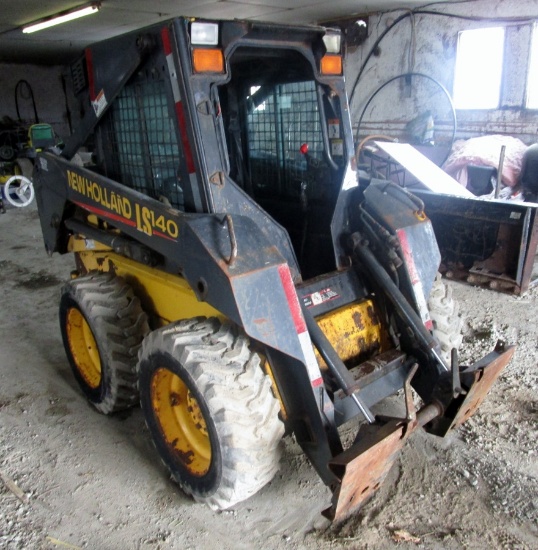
[363,468]
[478,379]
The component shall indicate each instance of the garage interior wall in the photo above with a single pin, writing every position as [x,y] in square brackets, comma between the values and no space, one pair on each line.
[427,44]
[47,88]
[423,43]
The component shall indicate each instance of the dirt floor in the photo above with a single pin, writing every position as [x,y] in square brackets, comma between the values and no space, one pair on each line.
[72,478]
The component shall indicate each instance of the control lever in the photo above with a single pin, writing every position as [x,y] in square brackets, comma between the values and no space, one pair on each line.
[455,367]
[304,200]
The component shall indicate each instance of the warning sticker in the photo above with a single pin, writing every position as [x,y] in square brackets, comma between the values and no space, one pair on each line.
[337,147]
[334,128]
[99,103]
[320,297]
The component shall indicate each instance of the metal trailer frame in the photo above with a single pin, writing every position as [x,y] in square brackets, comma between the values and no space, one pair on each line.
[490,243]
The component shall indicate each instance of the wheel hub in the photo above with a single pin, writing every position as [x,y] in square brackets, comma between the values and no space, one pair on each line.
[181,421]
[83,348]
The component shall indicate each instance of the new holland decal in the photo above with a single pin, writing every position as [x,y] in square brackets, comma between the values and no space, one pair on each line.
[122,209]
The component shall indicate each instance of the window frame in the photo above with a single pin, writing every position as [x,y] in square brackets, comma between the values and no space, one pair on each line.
[532,71]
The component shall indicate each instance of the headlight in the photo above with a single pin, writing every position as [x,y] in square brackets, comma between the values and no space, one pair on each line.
[332,42]
[204,34]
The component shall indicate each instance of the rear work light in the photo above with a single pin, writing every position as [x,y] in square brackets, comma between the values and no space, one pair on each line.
[206,60]
[204,34]
[332,42]
[331,64]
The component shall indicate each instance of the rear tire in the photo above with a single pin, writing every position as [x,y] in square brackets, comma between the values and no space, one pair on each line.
[210,410]
[103,325]
[444,312]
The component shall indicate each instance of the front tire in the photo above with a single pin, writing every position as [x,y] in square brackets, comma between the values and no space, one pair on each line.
[444,312]
[103,325]
[210,410]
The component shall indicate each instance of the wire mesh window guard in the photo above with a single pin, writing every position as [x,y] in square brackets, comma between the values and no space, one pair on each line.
[144,143]
[280,121]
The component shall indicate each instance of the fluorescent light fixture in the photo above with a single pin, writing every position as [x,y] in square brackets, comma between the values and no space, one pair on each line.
[61,18]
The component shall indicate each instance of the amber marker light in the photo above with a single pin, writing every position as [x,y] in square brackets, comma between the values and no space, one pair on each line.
[331,64]
[208,60]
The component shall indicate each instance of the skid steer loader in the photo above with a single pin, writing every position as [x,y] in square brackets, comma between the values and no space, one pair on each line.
[233,272]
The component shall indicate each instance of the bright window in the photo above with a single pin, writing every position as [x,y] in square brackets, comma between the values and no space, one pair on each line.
[479,61]
[532,80]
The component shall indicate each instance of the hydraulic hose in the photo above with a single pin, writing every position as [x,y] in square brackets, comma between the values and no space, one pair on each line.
[335,364]
[375,270]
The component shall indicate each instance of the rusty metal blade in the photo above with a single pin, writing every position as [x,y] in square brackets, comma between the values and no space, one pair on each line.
[484,378]
[477,381]
[362,468]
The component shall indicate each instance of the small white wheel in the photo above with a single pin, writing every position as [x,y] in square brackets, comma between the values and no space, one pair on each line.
[19,191]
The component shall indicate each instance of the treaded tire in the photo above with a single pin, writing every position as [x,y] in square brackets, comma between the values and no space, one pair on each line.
[214,365]
[444,312]
[103,325]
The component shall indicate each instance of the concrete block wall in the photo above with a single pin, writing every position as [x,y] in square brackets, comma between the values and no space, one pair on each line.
[427,44]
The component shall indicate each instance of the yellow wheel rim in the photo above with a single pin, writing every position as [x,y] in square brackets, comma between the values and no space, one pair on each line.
[181,420]
[83,348]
